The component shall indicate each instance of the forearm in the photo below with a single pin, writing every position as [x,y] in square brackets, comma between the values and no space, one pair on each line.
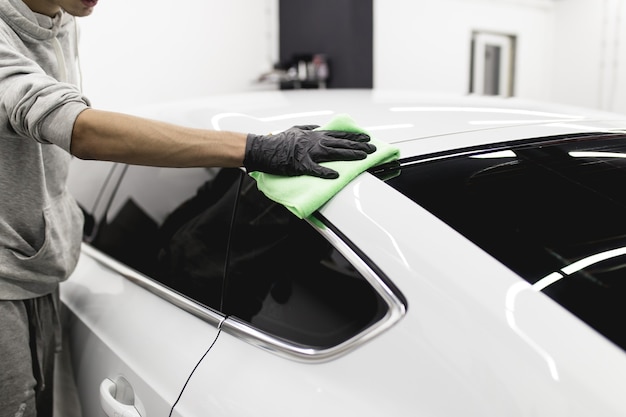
[118,137]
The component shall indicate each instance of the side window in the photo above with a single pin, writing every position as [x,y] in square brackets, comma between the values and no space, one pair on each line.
[90,184]
[212,236]
[172,225]
[286,279]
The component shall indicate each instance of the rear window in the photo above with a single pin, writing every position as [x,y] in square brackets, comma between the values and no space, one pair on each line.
[551,210]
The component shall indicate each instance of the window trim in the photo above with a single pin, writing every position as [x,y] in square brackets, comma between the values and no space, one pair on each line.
[496,146]
[194,308]
[396,304]
[395,301]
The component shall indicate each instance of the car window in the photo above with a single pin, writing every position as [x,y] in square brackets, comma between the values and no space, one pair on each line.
[90,182]
[286,279]
[172,225]
[552,210]
[191,229]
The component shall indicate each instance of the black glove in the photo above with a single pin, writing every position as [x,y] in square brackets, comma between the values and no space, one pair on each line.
[298,150]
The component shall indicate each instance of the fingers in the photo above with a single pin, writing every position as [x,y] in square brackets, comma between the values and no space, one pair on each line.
[342,154]
[348,144]
[323,172]
[353,136]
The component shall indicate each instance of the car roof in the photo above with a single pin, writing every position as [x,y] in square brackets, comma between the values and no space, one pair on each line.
[416,122]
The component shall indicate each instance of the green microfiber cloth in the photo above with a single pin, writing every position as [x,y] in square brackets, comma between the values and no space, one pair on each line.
[304,194]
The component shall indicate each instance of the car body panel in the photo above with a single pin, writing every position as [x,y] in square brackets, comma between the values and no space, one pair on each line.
[102,305]
[475,338]
[392,116]
[459,304]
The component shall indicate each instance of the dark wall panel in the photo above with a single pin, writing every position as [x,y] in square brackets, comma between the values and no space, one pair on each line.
[340,29]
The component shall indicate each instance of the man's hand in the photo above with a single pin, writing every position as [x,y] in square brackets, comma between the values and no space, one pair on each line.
[298,151]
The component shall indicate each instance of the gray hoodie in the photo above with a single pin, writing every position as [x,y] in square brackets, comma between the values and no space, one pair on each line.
[40,223]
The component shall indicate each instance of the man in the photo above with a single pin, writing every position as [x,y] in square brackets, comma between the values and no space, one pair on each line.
[44,120]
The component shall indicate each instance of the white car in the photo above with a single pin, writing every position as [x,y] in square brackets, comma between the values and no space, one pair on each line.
[483,274]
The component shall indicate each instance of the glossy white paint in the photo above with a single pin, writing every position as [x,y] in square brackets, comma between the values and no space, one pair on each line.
[476,340]
[483,323]
[389,115]
[118,329]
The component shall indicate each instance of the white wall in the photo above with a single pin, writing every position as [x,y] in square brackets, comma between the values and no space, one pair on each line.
[141,52]
[426,44]
[578,28]
[569,51]
[591,54]
[145,51]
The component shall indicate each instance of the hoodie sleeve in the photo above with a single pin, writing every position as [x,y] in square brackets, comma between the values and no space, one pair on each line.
[34,104]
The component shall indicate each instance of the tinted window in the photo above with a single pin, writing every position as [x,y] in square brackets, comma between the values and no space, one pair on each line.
[172,225]
[552,211]
[191,229]
[288,280]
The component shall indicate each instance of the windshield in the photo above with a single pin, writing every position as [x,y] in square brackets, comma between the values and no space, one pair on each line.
[552,210]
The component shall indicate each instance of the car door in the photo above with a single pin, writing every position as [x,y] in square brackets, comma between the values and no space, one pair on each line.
[138,318]
[295,297]
[149,297]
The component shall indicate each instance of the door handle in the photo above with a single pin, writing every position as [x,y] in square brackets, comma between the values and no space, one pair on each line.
[117,398]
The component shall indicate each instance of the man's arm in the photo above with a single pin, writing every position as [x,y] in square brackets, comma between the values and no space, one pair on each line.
[119,137]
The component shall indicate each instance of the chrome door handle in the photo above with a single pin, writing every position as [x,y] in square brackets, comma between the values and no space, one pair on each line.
[114,404]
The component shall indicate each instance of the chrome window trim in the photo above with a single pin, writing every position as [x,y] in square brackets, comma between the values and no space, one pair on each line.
[198,310]
[396,308]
